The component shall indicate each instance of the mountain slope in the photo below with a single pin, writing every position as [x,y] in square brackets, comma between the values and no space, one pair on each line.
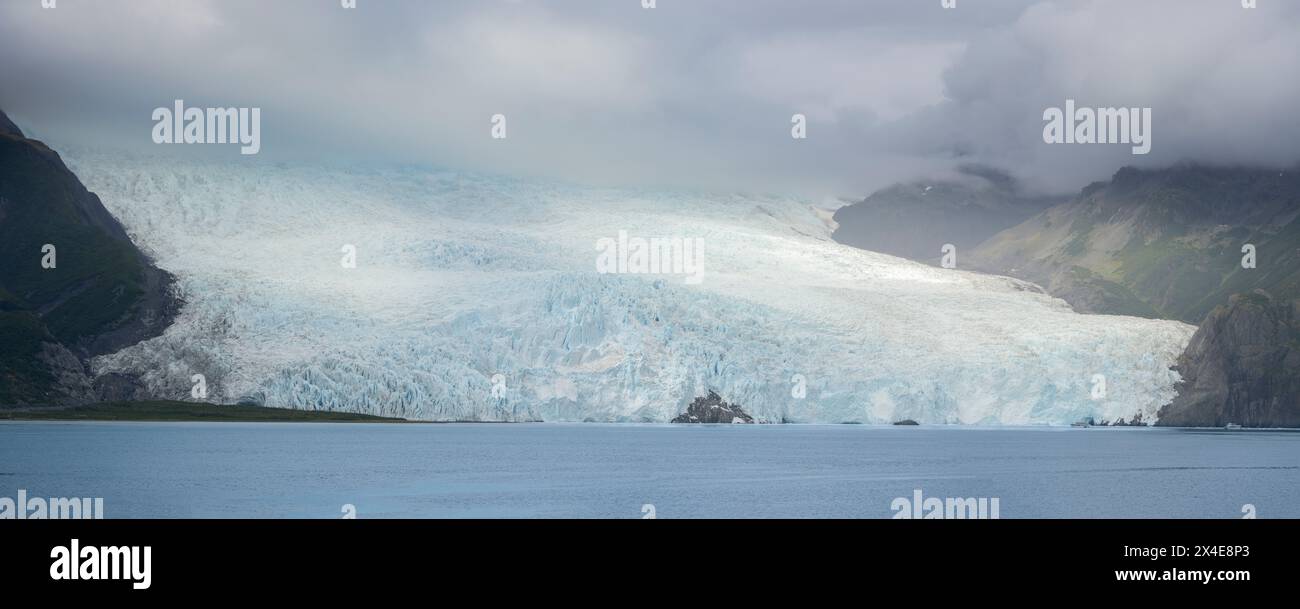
[1160,243]
[917,219]
[101,294]
[478,297]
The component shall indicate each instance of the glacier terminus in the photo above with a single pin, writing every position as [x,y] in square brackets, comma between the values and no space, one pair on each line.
[478,298]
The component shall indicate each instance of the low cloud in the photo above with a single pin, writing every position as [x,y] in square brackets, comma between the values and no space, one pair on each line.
[680,95]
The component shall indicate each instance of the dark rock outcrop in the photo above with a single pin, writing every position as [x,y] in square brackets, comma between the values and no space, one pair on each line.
[101,295]
[116,387]
[907,422]
[69,373]
[712,409]
[1136,421]
[1241,367]
[7,127]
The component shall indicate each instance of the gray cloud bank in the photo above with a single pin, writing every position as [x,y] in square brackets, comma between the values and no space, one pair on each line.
[694,93]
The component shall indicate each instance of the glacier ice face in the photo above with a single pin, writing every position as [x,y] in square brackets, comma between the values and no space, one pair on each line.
[477,298]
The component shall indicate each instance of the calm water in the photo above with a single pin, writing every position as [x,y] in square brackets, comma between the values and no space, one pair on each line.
[591,470]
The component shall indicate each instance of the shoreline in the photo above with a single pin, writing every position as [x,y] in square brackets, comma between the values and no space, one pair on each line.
[163,411]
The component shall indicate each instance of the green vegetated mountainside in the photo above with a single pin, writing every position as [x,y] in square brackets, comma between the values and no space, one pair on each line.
[102,294]
[915,220]
[1160,243]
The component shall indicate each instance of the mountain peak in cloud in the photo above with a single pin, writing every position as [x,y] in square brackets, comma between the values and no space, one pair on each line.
[7,127]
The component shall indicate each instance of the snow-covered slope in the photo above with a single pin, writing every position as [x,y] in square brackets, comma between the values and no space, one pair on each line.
[462,278]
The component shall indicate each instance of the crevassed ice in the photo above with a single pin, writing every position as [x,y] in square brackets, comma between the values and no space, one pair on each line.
[462,277]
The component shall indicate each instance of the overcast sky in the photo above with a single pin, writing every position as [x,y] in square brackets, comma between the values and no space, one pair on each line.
[694,93]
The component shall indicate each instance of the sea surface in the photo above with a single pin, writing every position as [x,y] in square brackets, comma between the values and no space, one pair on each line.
[291,470]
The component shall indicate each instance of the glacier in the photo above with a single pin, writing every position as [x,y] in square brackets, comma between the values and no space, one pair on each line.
[476,297]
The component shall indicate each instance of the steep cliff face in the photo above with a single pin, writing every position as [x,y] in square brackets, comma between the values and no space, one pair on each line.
[1242,366]
[72,284]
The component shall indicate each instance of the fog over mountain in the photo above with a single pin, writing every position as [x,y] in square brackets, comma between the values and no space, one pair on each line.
[686,94]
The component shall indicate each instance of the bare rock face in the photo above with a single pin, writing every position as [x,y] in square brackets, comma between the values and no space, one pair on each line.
[712,409]
[116,387]
[71,382]
[1242,367]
